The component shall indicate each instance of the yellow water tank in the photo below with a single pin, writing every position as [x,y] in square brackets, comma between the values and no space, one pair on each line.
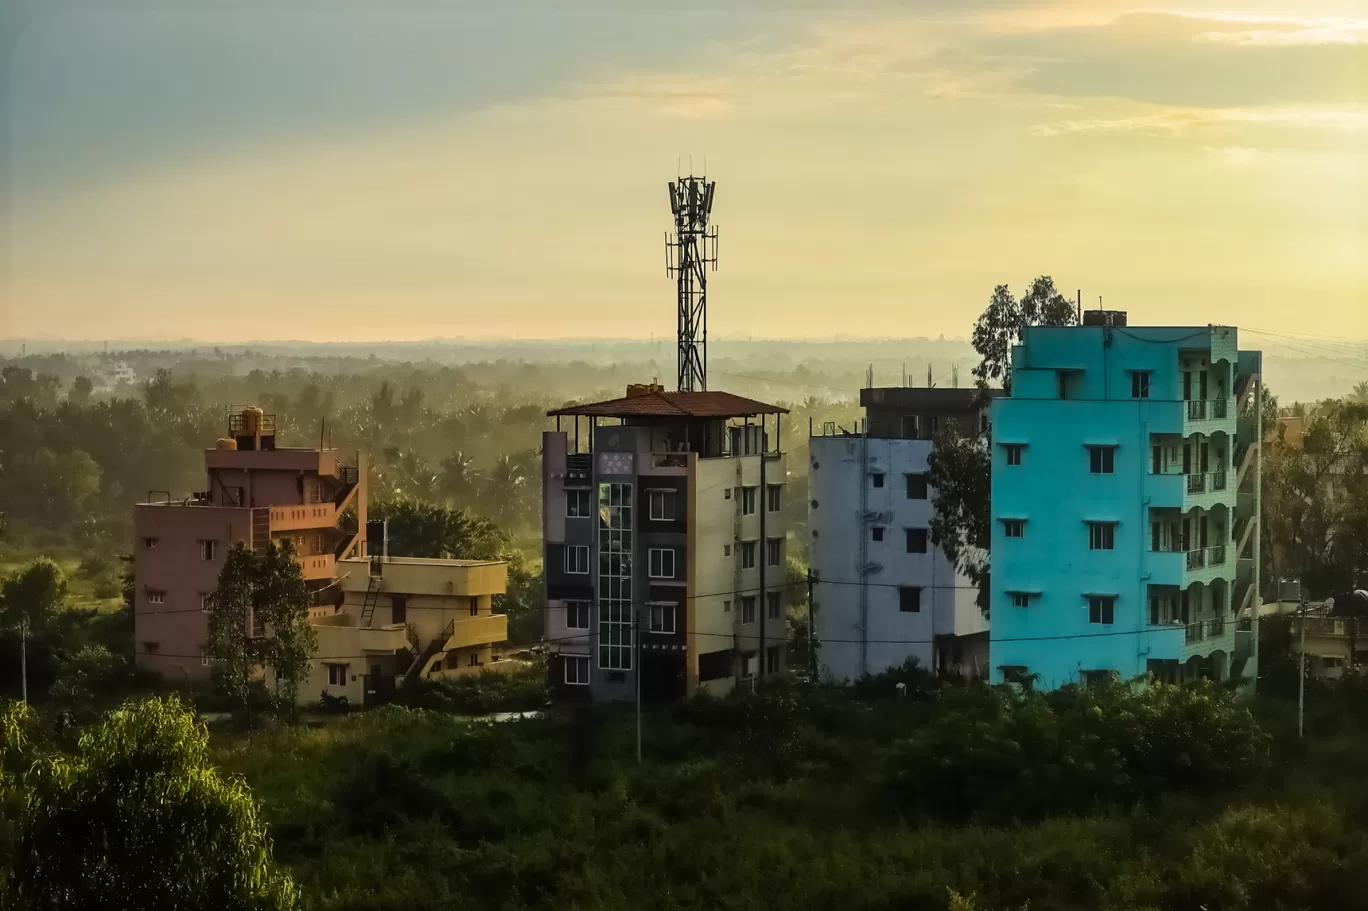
[251,421]
[636,389]
[226,443]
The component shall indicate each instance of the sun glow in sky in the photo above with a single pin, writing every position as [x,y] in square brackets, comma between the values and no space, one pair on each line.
[335,172]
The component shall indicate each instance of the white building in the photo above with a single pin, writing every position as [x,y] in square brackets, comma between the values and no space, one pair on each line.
[885,593]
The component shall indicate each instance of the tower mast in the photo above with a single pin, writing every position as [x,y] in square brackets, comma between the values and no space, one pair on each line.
[688,254]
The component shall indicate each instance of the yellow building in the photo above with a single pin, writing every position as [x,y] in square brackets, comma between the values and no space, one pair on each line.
[405,618]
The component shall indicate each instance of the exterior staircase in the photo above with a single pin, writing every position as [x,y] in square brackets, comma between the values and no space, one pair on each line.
[368,606]
[420,663]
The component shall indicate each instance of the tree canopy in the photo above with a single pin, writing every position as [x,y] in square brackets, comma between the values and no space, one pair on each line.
[139,819]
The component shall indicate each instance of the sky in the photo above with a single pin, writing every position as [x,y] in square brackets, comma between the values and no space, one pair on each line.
[332,171]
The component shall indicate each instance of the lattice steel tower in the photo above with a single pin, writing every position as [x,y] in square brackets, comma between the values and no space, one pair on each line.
[688,254]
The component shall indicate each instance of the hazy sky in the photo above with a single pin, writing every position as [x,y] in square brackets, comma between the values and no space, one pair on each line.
[325,171]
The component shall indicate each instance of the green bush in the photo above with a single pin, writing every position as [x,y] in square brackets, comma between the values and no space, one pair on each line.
[520,690]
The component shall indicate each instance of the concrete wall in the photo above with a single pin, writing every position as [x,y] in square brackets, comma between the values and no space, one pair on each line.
[947,599]
[169,637]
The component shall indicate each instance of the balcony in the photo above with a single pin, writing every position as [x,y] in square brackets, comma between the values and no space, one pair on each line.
[1217,627]
[668,463]
[1193,633]
[1196,559]
[316,566]
[303,517]
[485,629]
[1206,415]
[579,469]
[1201,490]
[1216,556]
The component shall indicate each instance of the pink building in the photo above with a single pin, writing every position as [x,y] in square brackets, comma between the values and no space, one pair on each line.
[254,493]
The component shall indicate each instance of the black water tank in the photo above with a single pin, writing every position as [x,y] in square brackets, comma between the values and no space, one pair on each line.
[1104,317]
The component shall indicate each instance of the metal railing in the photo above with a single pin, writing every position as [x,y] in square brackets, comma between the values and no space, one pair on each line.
[1196,559]
[1202,409]
[1216,555]
[1217,626]
[1193,633]
[1218,480]
[1196,483]
[1196,409]
[1218,409]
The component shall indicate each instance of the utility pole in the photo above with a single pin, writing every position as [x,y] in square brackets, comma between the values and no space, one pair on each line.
[812,640]
[1301,677]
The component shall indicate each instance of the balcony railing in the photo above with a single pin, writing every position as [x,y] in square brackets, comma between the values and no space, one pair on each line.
[1196,483]
[1193,633]
[1218,409]
[1196,559]
[1216,555]
[1202,409]
[1217,626]
[670,459]
[1218,480]
[1196,410]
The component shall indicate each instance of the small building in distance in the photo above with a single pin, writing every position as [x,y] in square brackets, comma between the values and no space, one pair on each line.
[255,492]
[1125,536]
[403,619]
[885,593]
[664,541]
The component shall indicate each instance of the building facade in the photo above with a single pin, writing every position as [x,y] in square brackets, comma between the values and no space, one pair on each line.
[664,544]
[401,619]
[1125,497]
[254,492]
[884,592]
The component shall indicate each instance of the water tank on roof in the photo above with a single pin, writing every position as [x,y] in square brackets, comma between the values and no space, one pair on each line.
[226,443]
[1104,317]
[251,421]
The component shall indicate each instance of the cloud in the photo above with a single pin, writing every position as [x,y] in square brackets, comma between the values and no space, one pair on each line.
[1232,156]
[1183,121]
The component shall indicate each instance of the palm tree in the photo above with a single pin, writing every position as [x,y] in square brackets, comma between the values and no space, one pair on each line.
[456,478]
[1360,393]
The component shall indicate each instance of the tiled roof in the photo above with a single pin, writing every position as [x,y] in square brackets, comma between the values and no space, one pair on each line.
[673,404]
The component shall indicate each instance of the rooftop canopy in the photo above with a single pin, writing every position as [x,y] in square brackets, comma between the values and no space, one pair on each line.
[658,403]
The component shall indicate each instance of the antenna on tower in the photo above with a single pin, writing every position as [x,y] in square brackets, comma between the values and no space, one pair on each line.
[687,255]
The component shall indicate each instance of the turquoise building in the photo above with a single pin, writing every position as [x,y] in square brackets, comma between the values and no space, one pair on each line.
[1125,489]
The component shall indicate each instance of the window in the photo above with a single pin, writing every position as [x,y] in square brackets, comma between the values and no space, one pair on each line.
[579,504]
[726,606]
[909,600]
[156,597]
[576,670]
[773,656]
[1140,384]
[726,494]
[1101,608]
[876,533]
[726,550]
[206,602]
[1101,536]
[320,543]
[150,647]
[774,551]
[662,505]
[911,428]
[748,498]
[398,609]
[773,605]
[1020,599]
[748,609]
[916,540]
[1101,459]
[616,624]
[876,479]
[774,497]
[337,675]
[576,614]
[577,559]
[747,554]
[916,487]
[662,563]
[1014,528]
[206,660]
[208,549]
[663,618]
[149,543]
[1013,452]
[474,607]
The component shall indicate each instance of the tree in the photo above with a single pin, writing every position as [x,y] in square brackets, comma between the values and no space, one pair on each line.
[1000,326]
[266,592]
[231,646]
[960,472]
[81,388]
[421,529]
[280,603]
[33,595]
[167,398]
[1360,393]
[139,819]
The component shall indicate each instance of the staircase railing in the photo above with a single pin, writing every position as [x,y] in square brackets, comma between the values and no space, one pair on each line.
[420,663]
[372,597]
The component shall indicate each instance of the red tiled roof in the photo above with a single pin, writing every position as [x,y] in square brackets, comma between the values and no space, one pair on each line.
[673,404]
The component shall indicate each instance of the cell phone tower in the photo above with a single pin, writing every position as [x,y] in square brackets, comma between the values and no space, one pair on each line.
[688,254]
